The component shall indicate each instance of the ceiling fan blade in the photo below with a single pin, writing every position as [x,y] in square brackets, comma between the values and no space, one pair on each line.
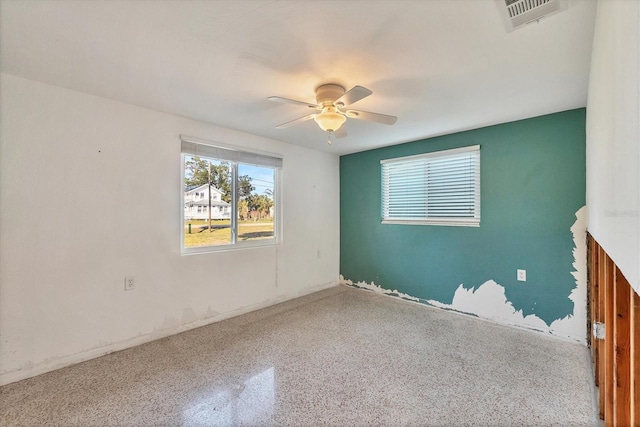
[354,95]
[372,117]
[292,101]
[341,132]
[295,122]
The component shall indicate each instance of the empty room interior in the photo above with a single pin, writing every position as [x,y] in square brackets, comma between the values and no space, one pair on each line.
[320,212]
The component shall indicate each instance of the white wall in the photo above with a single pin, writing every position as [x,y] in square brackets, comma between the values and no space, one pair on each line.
[90,192]
[613,137]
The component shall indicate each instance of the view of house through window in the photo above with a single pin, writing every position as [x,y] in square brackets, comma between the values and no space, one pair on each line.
[227,202]
[207,202]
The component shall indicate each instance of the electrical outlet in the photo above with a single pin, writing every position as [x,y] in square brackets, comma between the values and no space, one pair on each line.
[522,275]
[598,330]
[129,283]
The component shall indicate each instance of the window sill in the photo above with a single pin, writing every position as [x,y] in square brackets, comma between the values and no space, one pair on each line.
[441,222]
[230,247]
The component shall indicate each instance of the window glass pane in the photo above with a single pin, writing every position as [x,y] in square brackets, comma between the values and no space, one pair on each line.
[207,202]
[256,207]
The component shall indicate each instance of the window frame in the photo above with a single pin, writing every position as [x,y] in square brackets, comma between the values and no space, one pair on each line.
[439,220]
[235,244]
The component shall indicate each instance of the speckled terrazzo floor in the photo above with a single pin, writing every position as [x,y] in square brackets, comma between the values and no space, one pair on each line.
[337,357]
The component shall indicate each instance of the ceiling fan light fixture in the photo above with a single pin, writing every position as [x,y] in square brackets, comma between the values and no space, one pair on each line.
[329,120]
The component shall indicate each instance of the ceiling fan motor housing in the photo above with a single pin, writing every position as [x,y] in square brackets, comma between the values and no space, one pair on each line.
[328,93]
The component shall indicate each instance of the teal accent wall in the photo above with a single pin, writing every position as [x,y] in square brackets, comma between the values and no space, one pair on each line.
[532,184]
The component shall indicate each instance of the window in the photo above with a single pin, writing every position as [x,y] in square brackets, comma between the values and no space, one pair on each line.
[236,193]
[440,188]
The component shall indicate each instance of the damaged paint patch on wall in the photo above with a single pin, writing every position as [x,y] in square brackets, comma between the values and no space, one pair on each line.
[489,301]
[375,288]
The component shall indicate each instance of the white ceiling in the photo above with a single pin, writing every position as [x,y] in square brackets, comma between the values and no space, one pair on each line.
[441,66]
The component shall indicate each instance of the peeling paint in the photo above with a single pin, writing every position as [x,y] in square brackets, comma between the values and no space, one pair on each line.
[575,325]
[489,301]
[375,288]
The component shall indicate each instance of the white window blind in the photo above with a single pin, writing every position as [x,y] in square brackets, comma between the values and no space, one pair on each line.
[196,147]
[440,188]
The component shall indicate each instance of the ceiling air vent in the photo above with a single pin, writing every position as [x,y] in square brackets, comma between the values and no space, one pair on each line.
[517,13]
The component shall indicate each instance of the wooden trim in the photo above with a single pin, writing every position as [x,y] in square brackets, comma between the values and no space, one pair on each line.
[590,296]
[615,303]
[602,347]
[595,305]
[609,316]
[622,362]
[634,345]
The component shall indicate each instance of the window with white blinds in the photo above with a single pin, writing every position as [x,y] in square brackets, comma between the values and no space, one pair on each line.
[440,188]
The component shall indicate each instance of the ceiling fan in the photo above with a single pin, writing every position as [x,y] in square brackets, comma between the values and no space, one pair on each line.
[332,106]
